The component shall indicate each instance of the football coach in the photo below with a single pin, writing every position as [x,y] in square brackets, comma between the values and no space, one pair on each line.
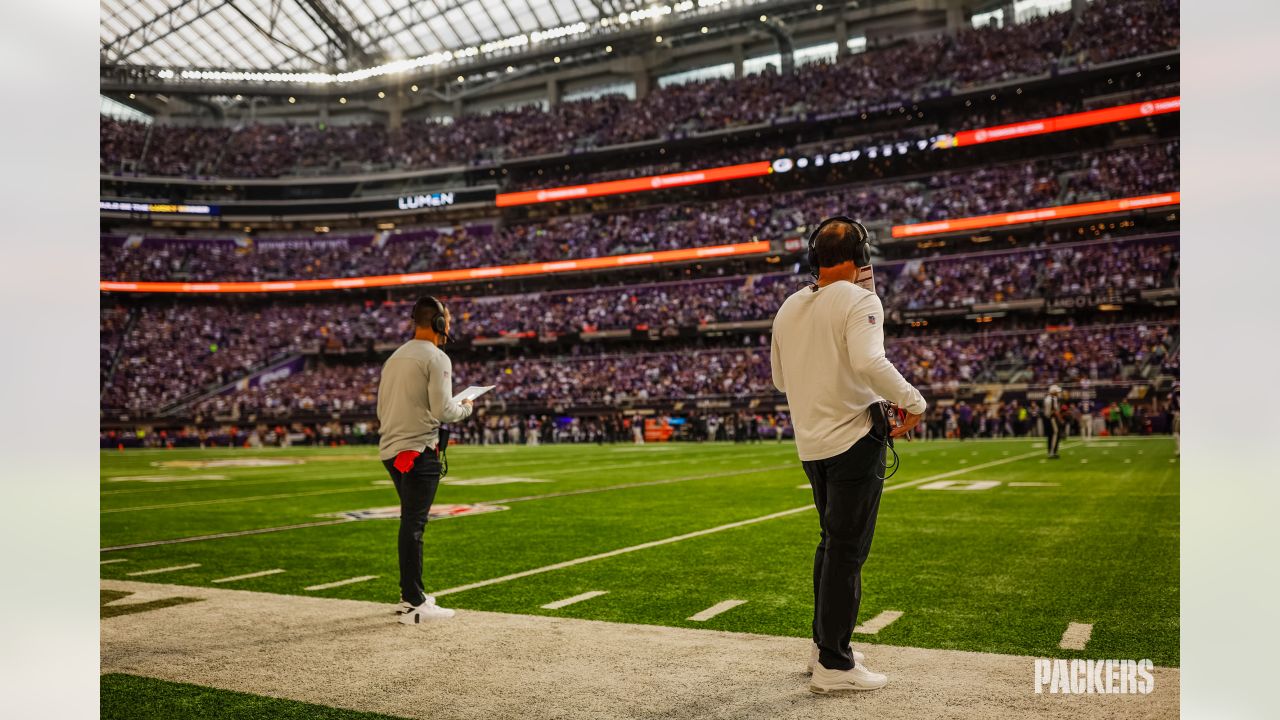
[415,395]
[828,357]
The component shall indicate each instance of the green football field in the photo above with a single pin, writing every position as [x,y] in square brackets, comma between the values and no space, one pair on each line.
[980,545]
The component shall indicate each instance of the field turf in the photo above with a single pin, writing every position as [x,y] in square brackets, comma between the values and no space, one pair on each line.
[140,698]
[997,568]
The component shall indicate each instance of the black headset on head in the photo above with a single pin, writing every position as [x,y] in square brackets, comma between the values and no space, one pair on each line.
[438,323]
[861,248]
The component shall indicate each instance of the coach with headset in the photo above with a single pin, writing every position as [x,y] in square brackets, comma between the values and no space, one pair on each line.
[828,357]
[415,395]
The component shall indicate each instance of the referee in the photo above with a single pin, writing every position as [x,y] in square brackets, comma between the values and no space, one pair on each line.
[415,396]
[1053,425]
[828,357]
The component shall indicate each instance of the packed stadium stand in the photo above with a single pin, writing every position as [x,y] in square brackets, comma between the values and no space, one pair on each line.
[1021,181]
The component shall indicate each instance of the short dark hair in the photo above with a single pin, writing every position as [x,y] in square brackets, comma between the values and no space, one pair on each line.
[426,310]
[835,244]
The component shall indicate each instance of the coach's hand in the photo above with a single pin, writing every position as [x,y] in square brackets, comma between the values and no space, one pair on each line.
[909,421]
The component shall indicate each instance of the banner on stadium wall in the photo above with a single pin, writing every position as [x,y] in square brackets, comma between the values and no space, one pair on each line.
[427,278]
[1059,212]
[268,375]
[155,208]
[1109,297]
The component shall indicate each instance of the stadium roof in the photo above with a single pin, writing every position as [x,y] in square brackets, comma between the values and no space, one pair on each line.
[322,35]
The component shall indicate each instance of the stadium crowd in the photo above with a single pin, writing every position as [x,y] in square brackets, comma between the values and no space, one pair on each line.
[938,364]
[1119,172]
[1108,30]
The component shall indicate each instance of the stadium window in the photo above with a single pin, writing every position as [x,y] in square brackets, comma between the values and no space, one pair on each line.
[1023,10]
[711,72]
[857,44]
[825,52]
[119,111]
[626,89]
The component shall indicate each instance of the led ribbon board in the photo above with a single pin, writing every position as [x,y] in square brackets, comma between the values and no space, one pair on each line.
[1060,123]
[640,184]
[543,268]
[1037,215]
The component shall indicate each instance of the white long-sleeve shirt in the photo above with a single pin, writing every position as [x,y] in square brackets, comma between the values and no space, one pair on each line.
[415,395]
[828,357]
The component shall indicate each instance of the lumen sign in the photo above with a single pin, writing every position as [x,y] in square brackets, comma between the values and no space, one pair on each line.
[415,202]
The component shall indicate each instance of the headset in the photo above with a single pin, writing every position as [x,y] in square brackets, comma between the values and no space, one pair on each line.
[438,323]
[861,248]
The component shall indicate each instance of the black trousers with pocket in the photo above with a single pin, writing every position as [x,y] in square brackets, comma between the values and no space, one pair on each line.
[846,490]
[417,490]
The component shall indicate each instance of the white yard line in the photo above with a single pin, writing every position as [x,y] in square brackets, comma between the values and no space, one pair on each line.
[1076,636]
[246,576]
[716,609]
[878,623]
[648,483]
[530,467]
[619,551]
[565,493]
[218,536]
[709,531]
[108,562]
[224,501]
[157,571]
[340,583]
[575,599]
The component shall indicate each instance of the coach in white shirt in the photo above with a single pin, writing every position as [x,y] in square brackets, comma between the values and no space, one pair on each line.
[828,357]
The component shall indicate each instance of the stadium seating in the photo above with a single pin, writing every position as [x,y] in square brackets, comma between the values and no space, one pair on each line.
[1111,29]
[1119,172]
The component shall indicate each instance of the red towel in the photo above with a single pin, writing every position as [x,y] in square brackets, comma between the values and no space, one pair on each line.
[404,461]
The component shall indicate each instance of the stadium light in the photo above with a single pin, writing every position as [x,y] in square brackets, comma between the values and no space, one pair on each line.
[381,94]
[658,39]
[342,100]
[292,100]
[556,59]
[818,7]
[413,88]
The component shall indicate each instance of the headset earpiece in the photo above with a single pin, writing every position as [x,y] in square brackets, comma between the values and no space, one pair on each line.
[438,323]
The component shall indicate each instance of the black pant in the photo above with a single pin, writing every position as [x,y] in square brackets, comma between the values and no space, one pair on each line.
[1052,433]
[417,490]
[846,489]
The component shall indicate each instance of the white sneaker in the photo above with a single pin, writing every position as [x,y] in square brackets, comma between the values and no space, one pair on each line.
[403,606]
[858,659]
[428,610]
[859,678]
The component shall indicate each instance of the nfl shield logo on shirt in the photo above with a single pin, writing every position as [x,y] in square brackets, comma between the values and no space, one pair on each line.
[871,319]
